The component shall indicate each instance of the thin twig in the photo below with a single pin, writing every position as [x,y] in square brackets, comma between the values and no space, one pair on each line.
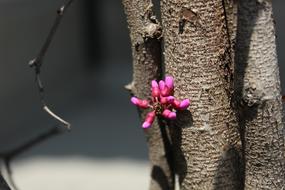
[25,146]
[37,62]
[67,124]
[60,12]
[9,155]
[3,184]
[9,172]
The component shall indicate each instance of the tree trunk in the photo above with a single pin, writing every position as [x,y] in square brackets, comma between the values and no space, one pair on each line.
[232,136]
[231,24]
[145,33]
[258,87]
[197,54]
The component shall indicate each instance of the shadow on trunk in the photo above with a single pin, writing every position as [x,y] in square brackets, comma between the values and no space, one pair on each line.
[176,137]
[158,175]
[246,110]
[230,154]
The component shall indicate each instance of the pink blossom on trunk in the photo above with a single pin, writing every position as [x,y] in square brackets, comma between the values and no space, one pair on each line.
[162,101]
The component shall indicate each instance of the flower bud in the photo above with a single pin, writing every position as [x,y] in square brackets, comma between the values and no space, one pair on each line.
[184,104]
[163,100]
[143,104]
[155,92]
[166,91]
[169,81]
[154,84]
[161,85]
[170,99]
[176,104]
[165,113]
[149,120]
[172,115]
[146,125]
[169,114]
[135,100]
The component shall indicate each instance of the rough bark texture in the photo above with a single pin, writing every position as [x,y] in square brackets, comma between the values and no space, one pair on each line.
[3,184]
[258,87]
[197,55]
[231,23]
[145,33]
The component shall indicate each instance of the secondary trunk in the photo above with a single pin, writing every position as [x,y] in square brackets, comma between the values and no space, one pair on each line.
[258,87]
[145,33]
[197,54]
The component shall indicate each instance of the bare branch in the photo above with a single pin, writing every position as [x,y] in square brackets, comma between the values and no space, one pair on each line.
[3,184]
[9,172]
[67,124]
[37,62]
[9,155]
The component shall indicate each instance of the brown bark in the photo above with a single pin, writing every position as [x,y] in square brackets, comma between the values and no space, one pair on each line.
[258,88]
[145,33]
[197,54]
[230,7]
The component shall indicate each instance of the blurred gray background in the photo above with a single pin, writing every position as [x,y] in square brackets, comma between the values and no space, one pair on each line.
[84,72]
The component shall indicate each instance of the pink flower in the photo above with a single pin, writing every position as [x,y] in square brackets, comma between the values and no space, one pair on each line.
[155,91]
[162,101]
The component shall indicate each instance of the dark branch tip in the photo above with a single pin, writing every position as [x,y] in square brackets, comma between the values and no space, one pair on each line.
[33,62]
[60,11]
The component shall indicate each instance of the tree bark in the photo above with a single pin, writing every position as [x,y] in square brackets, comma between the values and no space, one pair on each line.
[145,33]
[258,88]
[230,7]
[197,54]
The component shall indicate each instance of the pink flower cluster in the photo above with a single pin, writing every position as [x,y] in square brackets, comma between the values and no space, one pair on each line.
[162,101]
